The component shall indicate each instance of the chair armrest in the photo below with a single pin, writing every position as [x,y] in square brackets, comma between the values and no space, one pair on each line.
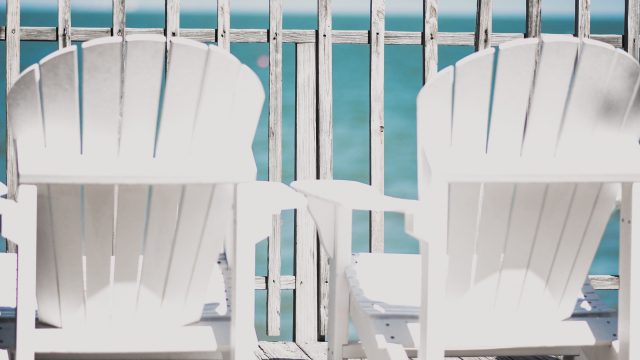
[354,195]
[331,203]
[258,201]
[272,197]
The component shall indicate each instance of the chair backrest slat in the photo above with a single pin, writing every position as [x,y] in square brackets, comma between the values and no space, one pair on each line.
[101,74]
[526,206]
[129,237]
[24,108]
[101,99]
[217,228]
[66,217]
[142,82]
[162,221]
[195,205]
[504,204]
[515,67]
[582,206]
[98,211]
[557,202]
[144,63]
[471,97]
[185,77]
[598,219]
[620,90]
[59,91]
[584,109]
[48,295]
[216,101]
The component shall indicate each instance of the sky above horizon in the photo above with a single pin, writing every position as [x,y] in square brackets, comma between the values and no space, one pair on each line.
[500,7]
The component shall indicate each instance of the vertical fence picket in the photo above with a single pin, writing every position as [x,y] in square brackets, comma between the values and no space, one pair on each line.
[376,120]
[119,15]
[325,138]
[483,25]
[583,18]
[64,23]
[430,39]
[12,36]
[224,24]
[533,18]
[172,19]
[631,27]
[275,160]
[306,295]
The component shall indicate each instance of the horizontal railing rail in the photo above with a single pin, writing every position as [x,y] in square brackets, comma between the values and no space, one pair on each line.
[43,33]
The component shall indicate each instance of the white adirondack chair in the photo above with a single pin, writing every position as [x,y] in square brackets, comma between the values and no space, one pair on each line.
[136,192]
[519,168]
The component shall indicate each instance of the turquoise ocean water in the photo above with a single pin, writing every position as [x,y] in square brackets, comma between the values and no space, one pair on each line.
[351,114]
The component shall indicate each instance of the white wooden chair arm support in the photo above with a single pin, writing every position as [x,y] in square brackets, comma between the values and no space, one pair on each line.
[258,201]
[331,200]
[354,195]
[274,197]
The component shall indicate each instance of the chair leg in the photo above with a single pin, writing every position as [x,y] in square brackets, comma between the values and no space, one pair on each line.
[338,322]
[26,288]
[628,314]
[242,274]
[597,353]
[373,336]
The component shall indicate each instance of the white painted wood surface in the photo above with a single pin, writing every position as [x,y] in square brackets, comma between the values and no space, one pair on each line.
[325,136]
[306,248]
[111,253]
[516,253]
[275,161]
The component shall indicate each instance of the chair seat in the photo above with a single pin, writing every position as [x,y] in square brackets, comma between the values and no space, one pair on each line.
[385,298]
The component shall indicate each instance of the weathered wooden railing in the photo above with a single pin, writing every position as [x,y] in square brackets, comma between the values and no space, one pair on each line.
[313,108]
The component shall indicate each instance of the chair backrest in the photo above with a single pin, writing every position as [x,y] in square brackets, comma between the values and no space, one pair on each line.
[525,249]
[94,132]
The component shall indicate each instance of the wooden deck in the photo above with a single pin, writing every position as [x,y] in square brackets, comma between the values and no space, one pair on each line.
[318,351]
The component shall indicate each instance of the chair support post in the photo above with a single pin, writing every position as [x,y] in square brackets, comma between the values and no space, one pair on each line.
[243,274]
[338,322]
[25,228]
[628,315]
[434,262]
